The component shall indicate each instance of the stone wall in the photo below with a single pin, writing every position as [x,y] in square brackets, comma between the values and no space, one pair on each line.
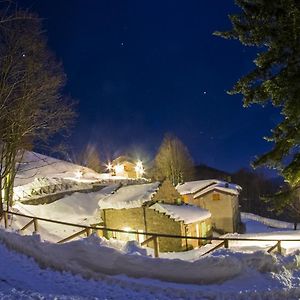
[153,222]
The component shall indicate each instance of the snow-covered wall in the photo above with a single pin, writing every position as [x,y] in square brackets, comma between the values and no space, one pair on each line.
[267,221]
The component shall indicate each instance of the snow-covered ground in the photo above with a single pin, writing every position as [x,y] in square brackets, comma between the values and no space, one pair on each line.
[82,208]
[117,270]
[223,275]
[78,208]
[35,165]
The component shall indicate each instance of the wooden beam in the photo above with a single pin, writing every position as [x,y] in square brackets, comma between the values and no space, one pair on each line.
[5,219]
[35,225]
[72,236]
[277,245]
[214,248]
[27,225]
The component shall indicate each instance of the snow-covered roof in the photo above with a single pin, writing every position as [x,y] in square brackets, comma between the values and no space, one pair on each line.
[130,196]
[192,187]
[220,186]
[201,187]
[186,213]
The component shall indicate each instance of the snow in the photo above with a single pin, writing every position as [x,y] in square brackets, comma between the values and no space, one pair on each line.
[35,165]
[130,196]
[92,257]
[222,187]
[43,186]
[39,175]
[223,275]
[114,269]
[201,187]
[79,208]
[192,187]
[186,213]
[268,222]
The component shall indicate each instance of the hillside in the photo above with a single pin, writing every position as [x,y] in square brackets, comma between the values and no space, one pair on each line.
[205,172]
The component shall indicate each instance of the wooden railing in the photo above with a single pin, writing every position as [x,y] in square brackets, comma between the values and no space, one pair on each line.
[151,236]
[155,244]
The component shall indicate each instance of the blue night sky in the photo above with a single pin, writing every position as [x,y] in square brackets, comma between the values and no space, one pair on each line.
[140,69]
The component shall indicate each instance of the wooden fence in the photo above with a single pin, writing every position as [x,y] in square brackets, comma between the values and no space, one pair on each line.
[151,237]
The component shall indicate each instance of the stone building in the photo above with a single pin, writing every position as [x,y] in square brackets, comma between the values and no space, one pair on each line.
[219,197]
[125,167]
[154,208]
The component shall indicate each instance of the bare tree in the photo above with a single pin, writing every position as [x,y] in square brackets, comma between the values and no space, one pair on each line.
[173,161]
[90,158]
[32,107]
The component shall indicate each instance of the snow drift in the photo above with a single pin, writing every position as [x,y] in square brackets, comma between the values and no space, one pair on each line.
[93,256]
[267,221]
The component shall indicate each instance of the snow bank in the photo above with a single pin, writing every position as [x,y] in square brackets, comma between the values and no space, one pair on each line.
[22,278]
[42,186]
[186,213]
[267,221]
[92,257]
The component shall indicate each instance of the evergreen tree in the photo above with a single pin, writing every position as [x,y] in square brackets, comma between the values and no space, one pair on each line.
[274,28]
[173,161]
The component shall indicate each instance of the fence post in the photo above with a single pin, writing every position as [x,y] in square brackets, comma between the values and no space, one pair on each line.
[279,247]
[35,225]
[88,231]
[5,219]
[156,246]
[226,244]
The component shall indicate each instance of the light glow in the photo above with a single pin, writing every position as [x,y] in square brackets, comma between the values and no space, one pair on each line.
[78,174]
[139,169]
[119,169]
[127,229]
[109,167]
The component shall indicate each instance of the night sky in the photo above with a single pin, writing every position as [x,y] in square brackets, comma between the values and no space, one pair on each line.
[143,68]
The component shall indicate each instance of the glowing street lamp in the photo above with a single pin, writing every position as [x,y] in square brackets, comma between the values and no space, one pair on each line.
[109,167]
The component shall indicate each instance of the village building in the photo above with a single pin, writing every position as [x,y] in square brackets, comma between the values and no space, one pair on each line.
[219,197]
[154,208]
[125,167]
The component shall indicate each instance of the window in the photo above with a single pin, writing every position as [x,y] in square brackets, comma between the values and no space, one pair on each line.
[216,196]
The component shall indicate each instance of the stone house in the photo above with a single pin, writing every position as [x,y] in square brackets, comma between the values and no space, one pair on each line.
[219,197]
[154,208]
[126,167]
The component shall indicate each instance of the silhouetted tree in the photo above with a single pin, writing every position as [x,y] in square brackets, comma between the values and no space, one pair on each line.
[32,107]
[90,158]
[173,161]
